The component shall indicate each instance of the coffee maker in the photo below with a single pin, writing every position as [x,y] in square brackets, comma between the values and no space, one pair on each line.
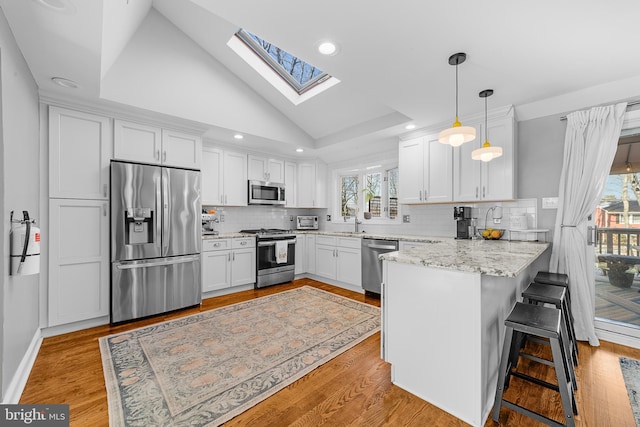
[462,216]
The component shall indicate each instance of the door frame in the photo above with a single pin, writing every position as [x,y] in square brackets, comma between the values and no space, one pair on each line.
[612,331]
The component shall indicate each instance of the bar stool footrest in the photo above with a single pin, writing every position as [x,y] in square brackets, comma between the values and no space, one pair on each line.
[537,359]
[535,380]
[536,416]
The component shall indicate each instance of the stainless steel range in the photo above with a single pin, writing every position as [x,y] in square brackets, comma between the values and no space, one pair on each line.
[275,256]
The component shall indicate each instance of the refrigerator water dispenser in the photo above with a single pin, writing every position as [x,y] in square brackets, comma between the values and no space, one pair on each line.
[139,226]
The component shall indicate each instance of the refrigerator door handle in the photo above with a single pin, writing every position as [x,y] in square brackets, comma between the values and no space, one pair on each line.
[165,211]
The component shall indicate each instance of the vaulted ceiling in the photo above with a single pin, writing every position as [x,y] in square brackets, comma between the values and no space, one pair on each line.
[171,57]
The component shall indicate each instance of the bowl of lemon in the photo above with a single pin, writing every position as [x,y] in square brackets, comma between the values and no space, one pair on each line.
[492,233]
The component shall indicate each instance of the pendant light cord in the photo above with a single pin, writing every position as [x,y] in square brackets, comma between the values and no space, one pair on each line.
[486,129]
[456,90]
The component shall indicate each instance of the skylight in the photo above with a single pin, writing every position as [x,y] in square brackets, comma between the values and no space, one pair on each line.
[299,74]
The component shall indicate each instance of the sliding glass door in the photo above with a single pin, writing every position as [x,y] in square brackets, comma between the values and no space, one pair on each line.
[617,247]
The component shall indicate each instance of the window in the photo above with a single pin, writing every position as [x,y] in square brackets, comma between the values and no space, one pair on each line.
[374,192]
[299,74]
[348,195]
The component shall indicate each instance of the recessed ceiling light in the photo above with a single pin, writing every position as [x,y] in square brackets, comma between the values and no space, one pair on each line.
[410,126]
[327,48]
[238,136]
[299,150]
[61,81]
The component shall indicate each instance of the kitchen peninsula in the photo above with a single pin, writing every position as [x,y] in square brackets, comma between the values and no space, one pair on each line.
[443,308]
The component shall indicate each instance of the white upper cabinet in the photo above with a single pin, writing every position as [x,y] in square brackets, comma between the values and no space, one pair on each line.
[474,180]
[137,142]
[224,178]
[181,149]
[311,180]
[149,144]
[264,169]
[425,171]
[79,154]
[290,183]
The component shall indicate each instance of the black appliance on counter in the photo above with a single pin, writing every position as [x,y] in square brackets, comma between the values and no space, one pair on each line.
[462,215]
[275,256]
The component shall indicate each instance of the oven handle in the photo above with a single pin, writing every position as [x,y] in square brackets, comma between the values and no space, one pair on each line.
[273,242]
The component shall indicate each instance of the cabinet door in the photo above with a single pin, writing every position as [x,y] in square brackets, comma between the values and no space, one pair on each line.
[78,260]
[211,176]
[439,170]
[257,168]
[306,185]
[348,267]
[181,149]
[79,154]
[411,171]
[311,254]
[290,182]
[498,178]
[216,270]
[275,170]
[326,261]
[136,142]
[243,270]
[235,183]
[466,171]
[300,253]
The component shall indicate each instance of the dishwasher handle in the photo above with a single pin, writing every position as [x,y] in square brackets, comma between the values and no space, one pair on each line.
[389,247]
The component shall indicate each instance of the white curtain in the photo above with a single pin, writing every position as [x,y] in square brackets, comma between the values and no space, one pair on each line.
[590,144]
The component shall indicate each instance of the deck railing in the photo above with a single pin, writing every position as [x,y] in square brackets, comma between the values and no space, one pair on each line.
[619,241]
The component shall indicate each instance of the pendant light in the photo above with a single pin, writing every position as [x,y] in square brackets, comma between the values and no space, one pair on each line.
[457,134]
[487,152]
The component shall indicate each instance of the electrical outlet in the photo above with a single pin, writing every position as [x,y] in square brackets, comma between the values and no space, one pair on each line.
[290,217]
[497,220]
[328,218]
[221,218]
[406,219]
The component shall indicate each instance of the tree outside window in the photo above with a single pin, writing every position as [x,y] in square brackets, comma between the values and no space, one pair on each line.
[348,195]
[372,196]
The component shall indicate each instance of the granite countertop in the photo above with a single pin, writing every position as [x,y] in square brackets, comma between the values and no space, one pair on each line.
[491,257]
[226,235]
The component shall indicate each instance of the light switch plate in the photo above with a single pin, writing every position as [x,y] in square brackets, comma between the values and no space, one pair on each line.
[549,203]
[406,218]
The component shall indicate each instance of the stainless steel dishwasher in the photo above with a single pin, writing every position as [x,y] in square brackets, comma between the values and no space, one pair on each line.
[371,265]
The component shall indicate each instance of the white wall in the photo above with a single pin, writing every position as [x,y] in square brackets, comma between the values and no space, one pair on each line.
[196,86]
[19,174]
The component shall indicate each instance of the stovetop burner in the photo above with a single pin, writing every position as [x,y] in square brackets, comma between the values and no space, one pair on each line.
[267,232]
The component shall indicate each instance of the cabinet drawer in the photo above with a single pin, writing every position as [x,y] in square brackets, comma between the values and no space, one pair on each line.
[244,242]
[215,244]
[349,242]
[326,240]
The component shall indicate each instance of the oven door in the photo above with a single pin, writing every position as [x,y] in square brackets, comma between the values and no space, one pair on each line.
[266,255]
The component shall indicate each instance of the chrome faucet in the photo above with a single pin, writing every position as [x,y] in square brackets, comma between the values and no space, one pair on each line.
[356,222]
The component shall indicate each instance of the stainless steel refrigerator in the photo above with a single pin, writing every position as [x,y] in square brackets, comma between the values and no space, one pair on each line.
[155,240]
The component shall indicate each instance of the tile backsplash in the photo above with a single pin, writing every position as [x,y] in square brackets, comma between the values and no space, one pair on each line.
[426,220]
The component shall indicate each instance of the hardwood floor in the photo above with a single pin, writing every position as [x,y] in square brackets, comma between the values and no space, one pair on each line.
[353,389]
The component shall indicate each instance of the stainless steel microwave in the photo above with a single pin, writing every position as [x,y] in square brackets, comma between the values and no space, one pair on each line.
[266,193]
[307,222]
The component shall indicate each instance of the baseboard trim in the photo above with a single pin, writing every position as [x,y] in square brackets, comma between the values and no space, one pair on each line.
[617,338]
[19,380]
[74,326]
[337,283]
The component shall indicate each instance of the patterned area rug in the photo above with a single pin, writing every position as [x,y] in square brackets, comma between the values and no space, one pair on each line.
[207,368]
[631,373]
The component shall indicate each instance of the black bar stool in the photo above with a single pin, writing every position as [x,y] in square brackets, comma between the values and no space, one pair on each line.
[537,293]
[558,279]
[544,322]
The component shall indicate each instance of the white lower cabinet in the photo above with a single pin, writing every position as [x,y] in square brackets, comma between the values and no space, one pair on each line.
[78,260]
[339,258]
[310,254]
[301,250]
[228,262]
